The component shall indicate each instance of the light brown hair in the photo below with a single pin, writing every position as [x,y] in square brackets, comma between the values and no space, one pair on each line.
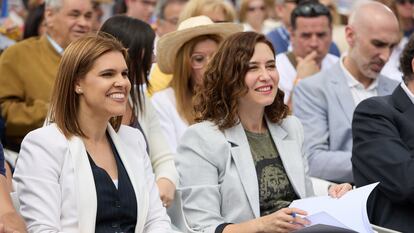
[197,7]
[224,83]
[244,8]
[77,60]
[182,82]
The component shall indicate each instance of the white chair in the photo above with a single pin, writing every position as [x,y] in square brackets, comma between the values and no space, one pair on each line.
[176,213]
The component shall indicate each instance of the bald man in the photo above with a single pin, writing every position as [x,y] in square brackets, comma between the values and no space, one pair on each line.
[326,101]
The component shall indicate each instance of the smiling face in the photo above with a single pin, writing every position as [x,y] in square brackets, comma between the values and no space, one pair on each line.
[261,79]
[103,92]
[70,22]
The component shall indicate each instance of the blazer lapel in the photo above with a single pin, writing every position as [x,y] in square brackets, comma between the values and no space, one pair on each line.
[134,176]
[291,157]
[341,91]
[84,185]
[240,152]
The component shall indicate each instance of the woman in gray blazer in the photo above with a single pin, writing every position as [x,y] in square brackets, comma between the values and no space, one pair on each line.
[242,165]
[86,172]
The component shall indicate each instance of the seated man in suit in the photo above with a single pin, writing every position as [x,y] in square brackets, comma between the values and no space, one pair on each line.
[325,102]
[383,151]
[10,221]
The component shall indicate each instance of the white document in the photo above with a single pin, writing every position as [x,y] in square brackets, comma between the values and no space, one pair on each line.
[348,212]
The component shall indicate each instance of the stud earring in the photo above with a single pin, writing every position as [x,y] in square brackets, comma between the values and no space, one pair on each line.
[79,90]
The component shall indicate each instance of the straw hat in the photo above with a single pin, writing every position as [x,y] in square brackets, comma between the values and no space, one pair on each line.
[169,44]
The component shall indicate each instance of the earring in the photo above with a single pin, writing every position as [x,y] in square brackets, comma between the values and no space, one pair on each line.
[78,90]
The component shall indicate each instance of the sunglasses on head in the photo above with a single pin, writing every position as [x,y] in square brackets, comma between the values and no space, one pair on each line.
[311,9]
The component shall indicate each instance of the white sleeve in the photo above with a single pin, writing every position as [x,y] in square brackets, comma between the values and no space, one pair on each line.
[37,176]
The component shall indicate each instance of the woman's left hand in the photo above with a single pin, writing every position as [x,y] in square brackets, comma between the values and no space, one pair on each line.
[338,190]
[167,191]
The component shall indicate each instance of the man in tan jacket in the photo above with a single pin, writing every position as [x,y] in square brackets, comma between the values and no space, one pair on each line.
[28,69]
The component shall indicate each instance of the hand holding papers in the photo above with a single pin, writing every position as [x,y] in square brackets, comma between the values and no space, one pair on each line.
[348,212]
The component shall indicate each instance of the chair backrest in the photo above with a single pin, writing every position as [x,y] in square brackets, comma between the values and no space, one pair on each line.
[176,213]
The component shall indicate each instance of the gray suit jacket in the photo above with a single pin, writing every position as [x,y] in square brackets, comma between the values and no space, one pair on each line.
[325,106]
[218,179]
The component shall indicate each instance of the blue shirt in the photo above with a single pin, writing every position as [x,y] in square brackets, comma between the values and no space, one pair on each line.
[2,170]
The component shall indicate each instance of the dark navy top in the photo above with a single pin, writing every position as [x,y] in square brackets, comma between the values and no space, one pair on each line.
[117,208]
[2,170]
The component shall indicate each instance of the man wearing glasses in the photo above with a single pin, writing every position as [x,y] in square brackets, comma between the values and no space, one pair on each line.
[326,101]
[311,37]
[280,37]
[167,14]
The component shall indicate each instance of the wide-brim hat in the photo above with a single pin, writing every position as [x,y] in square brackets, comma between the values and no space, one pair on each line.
[169,44]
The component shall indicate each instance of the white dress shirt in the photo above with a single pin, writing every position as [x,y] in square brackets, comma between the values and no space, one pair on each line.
[407,91]
[358,91]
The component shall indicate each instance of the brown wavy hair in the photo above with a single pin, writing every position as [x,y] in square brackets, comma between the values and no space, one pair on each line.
[224,83]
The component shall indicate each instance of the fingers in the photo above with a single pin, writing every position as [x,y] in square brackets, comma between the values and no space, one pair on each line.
[311,56]
[337,191]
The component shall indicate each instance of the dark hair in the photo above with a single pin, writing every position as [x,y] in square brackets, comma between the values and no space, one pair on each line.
[77,60]
[310,9]
[406,59]
[138,37]
[224,83]
[33,21]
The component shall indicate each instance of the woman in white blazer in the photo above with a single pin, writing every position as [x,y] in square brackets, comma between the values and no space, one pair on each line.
[138,37]
[242,165]
[85,172]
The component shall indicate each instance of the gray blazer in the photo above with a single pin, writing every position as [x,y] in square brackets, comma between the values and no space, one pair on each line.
[325,105]
[218,179]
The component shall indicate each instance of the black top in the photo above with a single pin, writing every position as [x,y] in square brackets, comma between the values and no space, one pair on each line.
[383,134]
[117,208]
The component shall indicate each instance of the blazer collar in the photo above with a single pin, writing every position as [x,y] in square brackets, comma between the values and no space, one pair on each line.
[243,159]
[85,184]
[402,102]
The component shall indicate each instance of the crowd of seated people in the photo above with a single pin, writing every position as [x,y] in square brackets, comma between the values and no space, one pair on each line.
[115,113]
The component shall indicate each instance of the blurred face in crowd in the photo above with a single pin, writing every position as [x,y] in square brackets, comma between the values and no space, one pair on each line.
[169,22]
[405,8]
[284,10]
[104,90]
[311,34]
[371,46]
[141,9]
[256,12]
[217,15]
[261,79]
[70,22]
[202,53]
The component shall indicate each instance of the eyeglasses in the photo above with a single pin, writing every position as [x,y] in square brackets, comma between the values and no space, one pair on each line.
[257,8]
[199,61]
[402,2]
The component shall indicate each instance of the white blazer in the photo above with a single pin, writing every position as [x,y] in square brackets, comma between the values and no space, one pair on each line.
[56,188]
[161,155]
[218,180]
